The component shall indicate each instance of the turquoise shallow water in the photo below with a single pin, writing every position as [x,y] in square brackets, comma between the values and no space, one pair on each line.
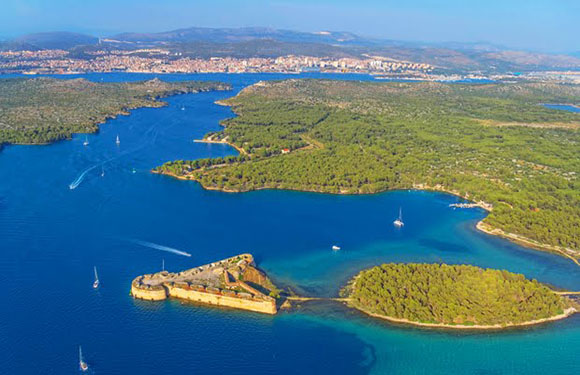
[51,236]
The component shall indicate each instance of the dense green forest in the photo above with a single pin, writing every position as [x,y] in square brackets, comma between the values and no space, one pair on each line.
[487,142]
[43,110]
[452,294]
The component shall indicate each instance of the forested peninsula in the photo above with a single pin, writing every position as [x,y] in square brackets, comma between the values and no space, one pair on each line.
[495,143]
[43,110]
[454,296]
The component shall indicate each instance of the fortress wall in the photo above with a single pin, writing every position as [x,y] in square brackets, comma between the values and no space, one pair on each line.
[262,306]
[161,285]
[254,275]
[155,294]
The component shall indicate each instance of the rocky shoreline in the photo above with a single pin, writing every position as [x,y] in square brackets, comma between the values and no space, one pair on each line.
[523,241]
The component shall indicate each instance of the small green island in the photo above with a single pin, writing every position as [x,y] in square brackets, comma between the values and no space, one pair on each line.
[427,295]
[454,296]
[494,144]
[43,110]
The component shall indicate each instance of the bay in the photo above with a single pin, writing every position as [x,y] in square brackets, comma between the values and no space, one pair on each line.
[52,236]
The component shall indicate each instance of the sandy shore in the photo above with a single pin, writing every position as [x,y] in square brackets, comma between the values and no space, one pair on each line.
[568,312]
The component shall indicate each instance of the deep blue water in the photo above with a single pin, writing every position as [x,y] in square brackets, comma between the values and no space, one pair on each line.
[51,237]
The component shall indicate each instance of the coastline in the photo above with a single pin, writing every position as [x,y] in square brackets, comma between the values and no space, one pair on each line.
[95,124]
[524,241]
[239,149]
[481,225]
[567,313]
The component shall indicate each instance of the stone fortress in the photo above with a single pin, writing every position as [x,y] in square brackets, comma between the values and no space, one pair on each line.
[233,282]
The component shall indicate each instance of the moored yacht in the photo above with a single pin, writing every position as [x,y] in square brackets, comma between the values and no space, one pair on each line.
[399,222]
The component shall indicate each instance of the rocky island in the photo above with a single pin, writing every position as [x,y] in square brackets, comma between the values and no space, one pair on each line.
[454,296]
[233,282]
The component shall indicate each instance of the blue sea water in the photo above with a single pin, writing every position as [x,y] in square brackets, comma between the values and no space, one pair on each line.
[563,107]
[52,236]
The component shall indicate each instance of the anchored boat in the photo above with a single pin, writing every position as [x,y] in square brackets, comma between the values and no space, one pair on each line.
[399,222]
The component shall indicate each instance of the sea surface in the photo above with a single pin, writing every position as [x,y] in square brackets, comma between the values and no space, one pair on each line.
[51,236]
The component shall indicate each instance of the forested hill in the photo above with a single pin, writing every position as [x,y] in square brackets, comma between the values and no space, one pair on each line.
[41,110]
[452,295]
[492,142]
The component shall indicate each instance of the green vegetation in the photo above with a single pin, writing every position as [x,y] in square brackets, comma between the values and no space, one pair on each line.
[487,142]
[42,110]
[452,294]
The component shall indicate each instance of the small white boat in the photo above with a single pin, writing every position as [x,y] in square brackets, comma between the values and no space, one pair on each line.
[335,248]
[82,364]
[399,222]
[86,142]
[118,141]
[102,171]
[96,283]
[183,108]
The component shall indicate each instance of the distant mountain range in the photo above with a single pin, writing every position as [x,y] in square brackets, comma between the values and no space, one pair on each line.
[52,40]
[236,35]
[268,42]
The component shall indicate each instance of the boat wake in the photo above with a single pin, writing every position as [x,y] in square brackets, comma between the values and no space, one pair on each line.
[150,135]
[73,185]
[161,247]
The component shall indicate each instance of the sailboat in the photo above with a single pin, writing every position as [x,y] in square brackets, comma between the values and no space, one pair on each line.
[118,141]
[82,364]
[399,222]
[102,171]
[86,142]
[96,282]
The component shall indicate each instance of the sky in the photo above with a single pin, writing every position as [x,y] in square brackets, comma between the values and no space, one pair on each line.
[538,25]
